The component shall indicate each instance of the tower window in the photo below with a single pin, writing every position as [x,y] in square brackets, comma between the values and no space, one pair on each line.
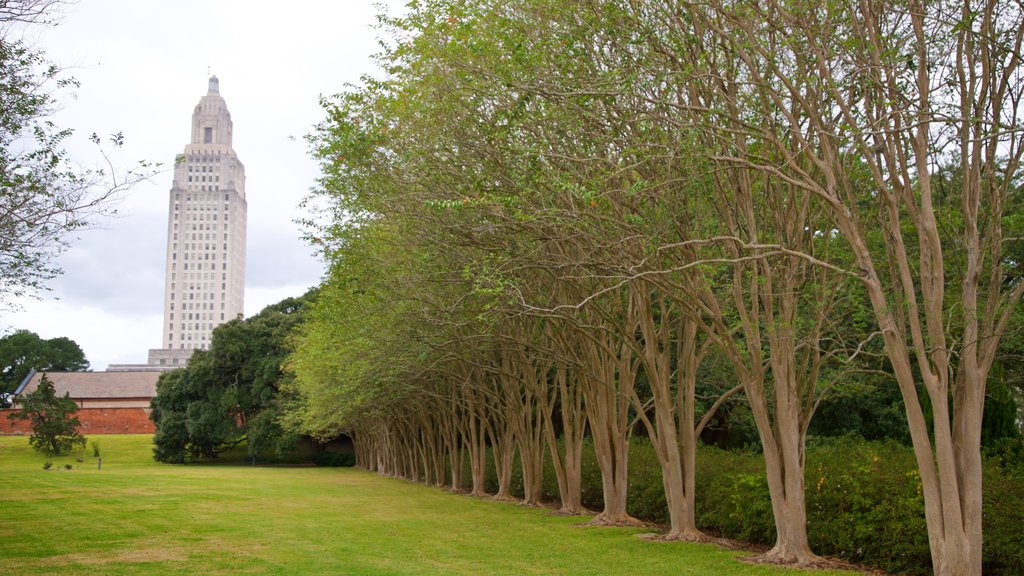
[207,135]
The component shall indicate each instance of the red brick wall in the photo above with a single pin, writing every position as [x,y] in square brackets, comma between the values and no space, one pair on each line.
[10,427]
[94,421]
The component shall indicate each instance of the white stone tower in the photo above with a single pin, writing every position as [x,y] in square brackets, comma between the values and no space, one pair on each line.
[205,283]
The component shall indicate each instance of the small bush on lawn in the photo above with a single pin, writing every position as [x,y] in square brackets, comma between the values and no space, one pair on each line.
[335,459]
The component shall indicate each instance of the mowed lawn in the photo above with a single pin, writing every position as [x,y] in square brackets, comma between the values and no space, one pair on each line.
[138,517]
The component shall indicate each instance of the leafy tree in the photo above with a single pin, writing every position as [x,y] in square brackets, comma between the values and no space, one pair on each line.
[44,197]
[24,351]
[54,424]
[780,174]
[229,393]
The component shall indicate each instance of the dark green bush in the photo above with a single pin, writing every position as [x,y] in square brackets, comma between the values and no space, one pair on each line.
[334,459]
[646,494]
[1002,518]
[864,504]
[1007,454]
[732,495]
[863,499]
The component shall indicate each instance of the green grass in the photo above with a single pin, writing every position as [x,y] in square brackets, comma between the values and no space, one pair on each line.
[139,517]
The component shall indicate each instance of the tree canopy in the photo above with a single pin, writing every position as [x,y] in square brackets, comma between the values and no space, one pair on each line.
[543,207]
[230,392]
[24,351]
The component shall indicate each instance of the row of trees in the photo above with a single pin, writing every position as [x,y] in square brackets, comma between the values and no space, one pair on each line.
[548,221]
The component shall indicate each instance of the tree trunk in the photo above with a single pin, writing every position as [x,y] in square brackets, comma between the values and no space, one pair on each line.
[502,452]
[568,469]
[608,389]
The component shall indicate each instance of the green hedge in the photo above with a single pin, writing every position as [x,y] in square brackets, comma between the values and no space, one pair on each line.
[864,500]
[334,459]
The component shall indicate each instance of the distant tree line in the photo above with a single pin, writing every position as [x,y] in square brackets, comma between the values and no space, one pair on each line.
[23,351]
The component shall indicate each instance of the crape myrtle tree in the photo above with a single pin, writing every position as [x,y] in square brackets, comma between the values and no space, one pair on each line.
[629,218]
[489,191]
[663,181]
[869,103]
[502,162]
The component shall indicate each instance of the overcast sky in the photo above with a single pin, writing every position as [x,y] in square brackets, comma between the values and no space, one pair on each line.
[143,66]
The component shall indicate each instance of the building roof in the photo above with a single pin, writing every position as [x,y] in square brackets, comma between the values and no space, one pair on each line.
[97,385]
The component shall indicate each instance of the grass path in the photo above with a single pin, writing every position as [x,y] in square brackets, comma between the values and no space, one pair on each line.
[139,517]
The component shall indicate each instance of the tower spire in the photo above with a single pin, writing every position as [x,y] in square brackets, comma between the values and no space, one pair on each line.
[204,286]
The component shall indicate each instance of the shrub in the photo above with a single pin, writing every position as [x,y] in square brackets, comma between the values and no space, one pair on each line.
[646,494]
[1007,454]
[334,459]
[864,504]
[53,420]
[68,466]
[94,447]
[47,465]
[732,495]
[863,498]
[1002,518]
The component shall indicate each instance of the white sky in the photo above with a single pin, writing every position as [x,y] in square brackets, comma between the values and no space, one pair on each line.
[143,65]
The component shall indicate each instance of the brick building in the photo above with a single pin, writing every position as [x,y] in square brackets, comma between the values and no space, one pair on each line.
[108,402]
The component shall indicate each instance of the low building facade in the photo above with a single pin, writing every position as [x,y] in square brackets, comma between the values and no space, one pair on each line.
[108,402]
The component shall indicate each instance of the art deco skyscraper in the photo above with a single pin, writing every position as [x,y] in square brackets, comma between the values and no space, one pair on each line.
[205,280]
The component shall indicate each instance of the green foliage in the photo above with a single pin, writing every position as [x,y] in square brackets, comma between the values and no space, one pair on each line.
[50,194]
[53,420]
[1007,454]
[24,351]
[864,501]
[1002,517]
[230,392]
[865,504]
[868,406]
[1000,420]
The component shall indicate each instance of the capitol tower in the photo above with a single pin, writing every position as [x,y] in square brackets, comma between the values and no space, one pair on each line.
[205,282]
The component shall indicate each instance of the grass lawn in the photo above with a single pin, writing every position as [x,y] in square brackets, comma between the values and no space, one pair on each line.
[138,517]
